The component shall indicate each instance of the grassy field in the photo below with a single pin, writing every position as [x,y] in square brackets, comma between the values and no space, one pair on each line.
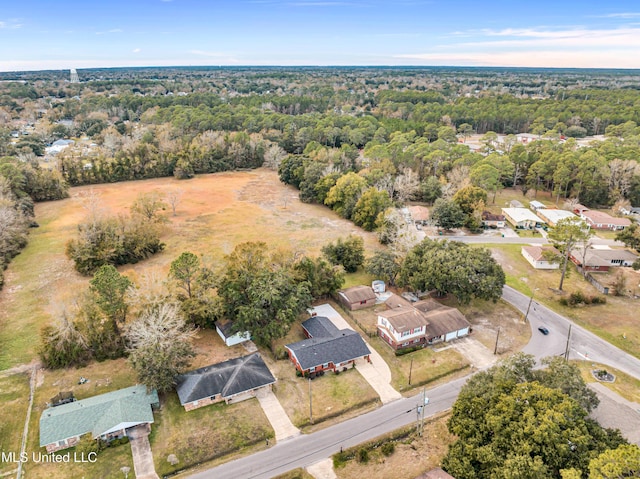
[206,433]
[616,321]
[14,397]
[413,455]
[215,214]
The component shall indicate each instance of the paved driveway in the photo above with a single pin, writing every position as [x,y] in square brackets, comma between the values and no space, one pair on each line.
[616,412]
[476,352]
[141,450]
[377,373]
[279,420]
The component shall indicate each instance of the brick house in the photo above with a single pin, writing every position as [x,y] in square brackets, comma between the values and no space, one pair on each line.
[231,381]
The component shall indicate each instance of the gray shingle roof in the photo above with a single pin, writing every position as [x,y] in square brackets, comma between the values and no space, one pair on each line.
[97,414]
[228,378]
[342,346]
[320,327]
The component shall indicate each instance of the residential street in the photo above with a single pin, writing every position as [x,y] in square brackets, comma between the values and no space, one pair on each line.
[480,239]
[304,450]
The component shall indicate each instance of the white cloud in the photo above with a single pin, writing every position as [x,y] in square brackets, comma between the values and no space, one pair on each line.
[534,58]
[136,50]
[12,24]
[619,15]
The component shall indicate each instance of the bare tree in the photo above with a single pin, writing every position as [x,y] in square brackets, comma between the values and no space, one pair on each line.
[160,346]
[173,198]
[273,156]
[406,185]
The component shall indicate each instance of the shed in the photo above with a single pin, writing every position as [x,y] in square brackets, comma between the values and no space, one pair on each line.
[357,297]
[229,336]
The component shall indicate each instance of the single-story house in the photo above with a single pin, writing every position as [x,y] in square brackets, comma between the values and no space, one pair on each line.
[522,218]
[326,347]
[535,256]
[592,262]
[515,204]
[406,325]
[525,138]
[231,338]
[106,416]
[603,221]
[419,214]
[231,381]
[489,220]
[536,205]
[600,260]
[357,297]
[552,216]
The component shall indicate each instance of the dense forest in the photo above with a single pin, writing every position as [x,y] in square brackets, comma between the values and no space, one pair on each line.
[357,139]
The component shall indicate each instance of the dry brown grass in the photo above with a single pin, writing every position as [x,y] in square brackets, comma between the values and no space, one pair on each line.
[412,457]
[216,213]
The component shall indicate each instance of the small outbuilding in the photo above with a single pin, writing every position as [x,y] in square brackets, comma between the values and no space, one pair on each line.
[357,297]
[229,335]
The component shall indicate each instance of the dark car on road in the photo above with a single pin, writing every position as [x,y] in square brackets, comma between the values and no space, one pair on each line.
[543,330]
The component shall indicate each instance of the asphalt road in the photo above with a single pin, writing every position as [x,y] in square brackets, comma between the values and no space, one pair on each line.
[304,450]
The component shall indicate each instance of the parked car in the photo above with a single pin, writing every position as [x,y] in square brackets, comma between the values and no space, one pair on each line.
[543,330]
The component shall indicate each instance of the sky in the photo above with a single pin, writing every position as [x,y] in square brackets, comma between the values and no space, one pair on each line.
[62,34]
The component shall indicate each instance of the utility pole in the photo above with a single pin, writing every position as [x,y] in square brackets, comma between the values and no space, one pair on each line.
[566,350]
[495,350]
[526,315]
[420,412]
[310,404]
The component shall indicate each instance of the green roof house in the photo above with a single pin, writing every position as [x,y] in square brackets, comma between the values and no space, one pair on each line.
[107,416]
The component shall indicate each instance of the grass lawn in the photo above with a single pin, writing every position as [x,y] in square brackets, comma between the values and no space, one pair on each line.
[216,213]
[295,474]
[625,385]
[413,455]
[206,433]
[616,321]
[341,395]
[14,397]
[103,377]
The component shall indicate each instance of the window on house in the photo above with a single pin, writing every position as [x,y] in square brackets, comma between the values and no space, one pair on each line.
[363,302]
[406,333]
[62,443]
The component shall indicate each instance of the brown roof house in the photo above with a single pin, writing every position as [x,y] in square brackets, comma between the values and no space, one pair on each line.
[537,258]
[600,260]
[357,297]
[231,381]
[406,325]
[489,220]
[603,221]
[419,214]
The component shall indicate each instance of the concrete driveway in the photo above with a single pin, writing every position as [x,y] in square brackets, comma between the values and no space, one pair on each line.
[376,373]
[616,412]
[141,451]
[476,352]
[279,420]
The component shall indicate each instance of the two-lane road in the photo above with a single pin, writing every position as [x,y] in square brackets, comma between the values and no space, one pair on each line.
[305,450]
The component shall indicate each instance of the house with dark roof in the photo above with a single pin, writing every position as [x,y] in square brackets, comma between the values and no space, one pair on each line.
[106,416]
[231,337]
[231,381]
[326,347]
[357,297]
[489,220]
[405,324]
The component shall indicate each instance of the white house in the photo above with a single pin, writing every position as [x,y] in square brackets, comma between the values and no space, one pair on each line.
[552,216]
[522,218]
[536,205]
[225,331]
[535,256]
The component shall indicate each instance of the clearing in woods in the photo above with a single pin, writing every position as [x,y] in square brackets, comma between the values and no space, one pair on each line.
[215,213]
